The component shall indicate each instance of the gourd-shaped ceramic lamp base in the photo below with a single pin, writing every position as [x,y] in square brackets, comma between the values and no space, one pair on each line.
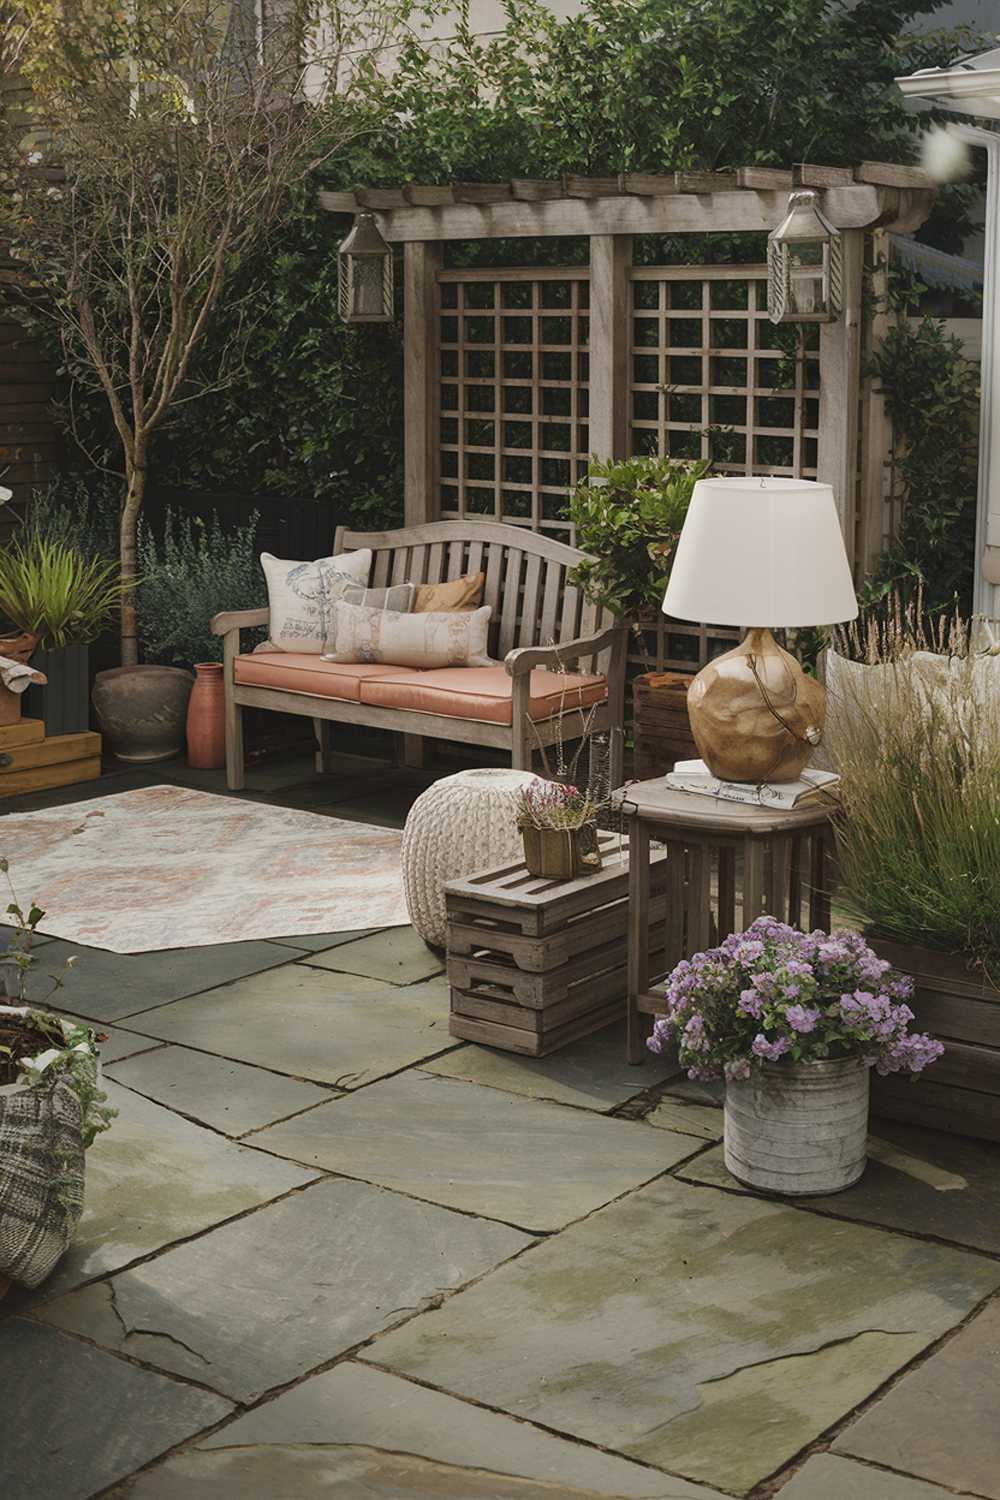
[755,715]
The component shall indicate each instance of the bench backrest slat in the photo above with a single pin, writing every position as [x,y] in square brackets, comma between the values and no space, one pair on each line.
[526,577]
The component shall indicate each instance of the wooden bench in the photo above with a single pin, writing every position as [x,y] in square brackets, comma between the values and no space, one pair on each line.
[540,622]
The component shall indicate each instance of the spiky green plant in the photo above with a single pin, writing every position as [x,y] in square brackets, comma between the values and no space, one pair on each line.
[919,841]
[50,588]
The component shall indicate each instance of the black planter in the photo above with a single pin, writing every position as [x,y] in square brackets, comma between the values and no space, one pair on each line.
[64,704]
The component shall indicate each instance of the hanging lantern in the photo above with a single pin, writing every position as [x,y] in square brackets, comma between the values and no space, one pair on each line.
[364,274]
[804,264]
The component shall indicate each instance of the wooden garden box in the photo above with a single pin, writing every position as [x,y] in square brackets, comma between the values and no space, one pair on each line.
[961,1091]
[662,728]
[534,963]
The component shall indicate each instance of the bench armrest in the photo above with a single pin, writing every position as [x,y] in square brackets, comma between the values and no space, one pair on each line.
[525,658]
[237,619]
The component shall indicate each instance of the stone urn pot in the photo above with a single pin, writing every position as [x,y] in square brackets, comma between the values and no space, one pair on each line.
[142,711]
[799,1128]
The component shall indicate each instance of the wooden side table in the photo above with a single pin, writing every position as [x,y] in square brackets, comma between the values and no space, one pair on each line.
[786,860]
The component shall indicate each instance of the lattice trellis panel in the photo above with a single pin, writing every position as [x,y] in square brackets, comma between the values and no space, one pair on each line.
[709,379]
[513,394]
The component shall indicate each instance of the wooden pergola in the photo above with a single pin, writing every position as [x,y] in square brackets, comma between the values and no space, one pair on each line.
[625,321]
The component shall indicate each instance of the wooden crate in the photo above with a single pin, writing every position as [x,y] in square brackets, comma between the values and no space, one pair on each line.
[535,963]
[662,729]
[40,764]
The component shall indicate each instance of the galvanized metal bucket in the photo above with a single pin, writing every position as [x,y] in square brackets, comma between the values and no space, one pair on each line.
[799,1128]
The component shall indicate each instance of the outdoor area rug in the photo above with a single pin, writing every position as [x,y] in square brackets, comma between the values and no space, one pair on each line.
[166,867]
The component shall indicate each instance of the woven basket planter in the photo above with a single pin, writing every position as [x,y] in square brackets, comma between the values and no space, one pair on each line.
[41,1169]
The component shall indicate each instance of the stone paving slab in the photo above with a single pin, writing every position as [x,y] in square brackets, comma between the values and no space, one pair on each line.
[687,1116]
[154,1178]
[942,1421]
[318,942]
[109,986]
[396,955]
[230,1096]
[525,1162]
[917,1180]
[358,1405]
[259,1302]
[7,932]
[118,1042]
[290,1473]
[824,1477]
[712,1334]
[76,1419]
[591,1073]
[331,1028]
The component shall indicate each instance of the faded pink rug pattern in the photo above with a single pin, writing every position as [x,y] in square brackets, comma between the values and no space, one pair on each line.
[166,867]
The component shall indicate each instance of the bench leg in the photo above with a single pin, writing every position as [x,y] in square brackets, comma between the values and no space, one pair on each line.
[323,751]
[234,746]
[413,751]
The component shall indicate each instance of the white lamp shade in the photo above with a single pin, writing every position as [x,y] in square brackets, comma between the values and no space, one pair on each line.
[760,551]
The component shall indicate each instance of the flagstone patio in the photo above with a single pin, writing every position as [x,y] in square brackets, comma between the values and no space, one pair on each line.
[328,1250]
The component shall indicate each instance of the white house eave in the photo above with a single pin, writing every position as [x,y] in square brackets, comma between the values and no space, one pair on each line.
[962,90]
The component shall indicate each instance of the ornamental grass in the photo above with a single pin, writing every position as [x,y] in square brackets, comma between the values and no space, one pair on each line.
[919,839]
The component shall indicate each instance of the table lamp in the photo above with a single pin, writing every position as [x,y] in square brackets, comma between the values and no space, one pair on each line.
[769,550]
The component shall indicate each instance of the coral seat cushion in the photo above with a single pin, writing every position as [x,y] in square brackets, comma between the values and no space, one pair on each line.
[482,693]
[301,672]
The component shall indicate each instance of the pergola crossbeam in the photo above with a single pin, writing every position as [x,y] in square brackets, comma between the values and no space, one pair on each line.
[687,205]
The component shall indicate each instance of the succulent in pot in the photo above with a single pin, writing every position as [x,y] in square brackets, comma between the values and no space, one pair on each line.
[793,1022]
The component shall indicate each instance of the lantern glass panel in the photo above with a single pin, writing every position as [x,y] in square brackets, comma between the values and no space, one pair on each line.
[366,281]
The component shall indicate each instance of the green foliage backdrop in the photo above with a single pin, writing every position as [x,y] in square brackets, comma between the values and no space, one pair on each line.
[646,85]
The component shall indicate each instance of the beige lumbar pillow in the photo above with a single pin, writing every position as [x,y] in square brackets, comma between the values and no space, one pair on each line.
[448,638]
[460,593]
[301,595]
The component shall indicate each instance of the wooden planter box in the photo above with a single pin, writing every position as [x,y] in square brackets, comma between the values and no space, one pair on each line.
[961,1091]
[662,729]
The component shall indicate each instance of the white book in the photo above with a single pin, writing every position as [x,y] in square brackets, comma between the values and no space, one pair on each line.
[694,776]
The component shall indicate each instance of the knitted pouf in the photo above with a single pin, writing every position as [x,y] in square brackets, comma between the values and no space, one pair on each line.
[461,824]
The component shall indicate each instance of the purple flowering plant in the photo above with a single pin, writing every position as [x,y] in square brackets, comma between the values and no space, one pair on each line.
[774,992]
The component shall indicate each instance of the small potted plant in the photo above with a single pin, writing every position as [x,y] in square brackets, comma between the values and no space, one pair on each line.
[793,1022]
[559,827]
[51,1109]
[59,600]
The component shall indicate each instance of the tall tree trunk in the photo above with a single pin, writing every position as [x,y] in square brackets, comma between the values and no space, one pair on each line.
[128,537]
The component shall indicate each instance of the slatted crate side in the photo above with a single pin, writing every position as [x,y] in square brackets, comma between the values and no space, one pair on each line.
[516,1039]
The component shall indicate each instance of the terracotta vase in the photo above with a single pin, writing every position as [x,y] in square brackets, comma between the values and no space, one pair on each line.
[142,710]
[206,718]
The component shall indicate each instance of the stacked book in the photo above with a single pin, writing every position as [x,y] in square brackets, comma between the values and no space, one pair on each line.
[812,786]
